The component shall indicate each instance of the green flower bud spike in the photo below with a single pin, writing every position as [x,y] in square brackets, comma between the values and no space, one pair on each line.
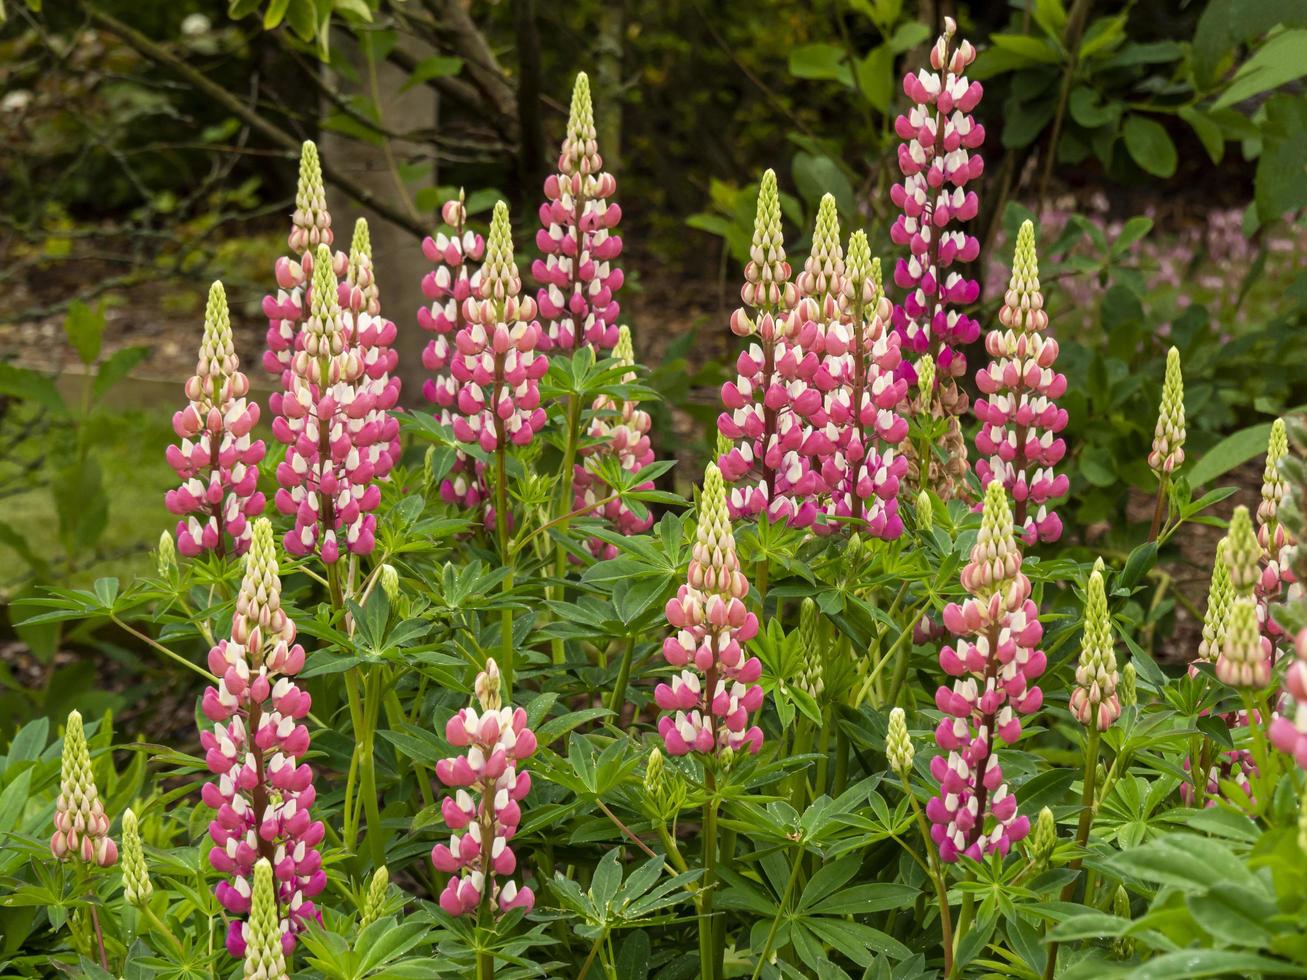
[361,243]
[1243,554]
[767,287]
[1220,595]
[1129,689]
[1122,947]
[264,959]
[925,511]
[390,582]
[167,555]
[1094,700]
[81,829]
[375,903]
[811,671]
[823,274]
[898,744]
[137,888]
[1043,839]
[1168,437]
[311,222]
[925,383]
[1244,662]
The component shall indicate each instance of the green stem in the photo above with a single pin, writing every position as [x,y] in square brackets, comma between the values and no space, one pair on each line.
[965,914]
[1264,782]
[823,746]
[617,701]
[936,876]
[707,955]
[780,912]
[506,556]
[563,508]
[589,960]
[1082,832]
[1159,510]
[158,926]
[154,644]
[351,807]
[368,769]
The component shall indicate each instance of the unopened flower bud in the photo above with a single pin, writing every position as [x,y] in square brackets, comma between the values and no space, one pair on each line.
[264,957]
[136,874]
[81,829]
[1243,553]
[1123,947]
[1043,840]
[925,512]
[167,555]
[727,755]
[375,903]
[1169,436]
[1094,700]
[390,582]
[655,776]
[811,676]
[488,687]
[898,743]
[1129,691]
[925,381]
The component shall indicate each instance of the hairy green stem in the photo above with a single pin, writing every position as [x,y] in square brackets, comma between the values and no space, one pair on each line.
[707,954]
[936,874]
[1082,831]
[795,865]
[564,507]
[617,700]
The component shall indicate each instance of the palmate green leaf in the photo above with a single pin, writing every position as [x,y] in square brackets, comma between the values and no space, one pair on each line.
[1188,963]
[1185,861]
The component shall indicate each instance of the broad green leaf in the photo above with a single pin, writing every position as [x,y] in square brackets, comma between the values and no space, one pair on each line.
[437,66]
[1150,145]
[824,62]
[29,385]
[1280,60]
[1232,451]
[1032,49]
[1281,180]
[116,367]
[818,175]
[1188,963]
[85,329]
[1208,132]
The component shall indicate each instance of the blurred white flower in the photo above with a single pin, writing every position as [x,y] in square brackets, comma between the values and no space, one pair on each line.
[195,25]
[15,101]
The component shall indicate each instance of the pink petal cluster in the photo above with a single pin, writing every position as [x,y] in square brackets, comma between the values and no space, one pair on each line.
[1288,730]
[327,416]
[577,279]
[262,794]
[995,665]
[483,813]
[938,135]
[860,470]
[716,688]
[495,361]
[372,336]
[620,431]
[81,827]
[217,461]
[454,281]
[770,464]
[1018,441]
[310,227]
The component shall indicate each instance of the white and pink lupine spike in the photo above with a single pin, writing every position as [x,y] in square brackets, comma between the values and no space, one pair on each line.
[81,827]
[372,336]
[1094,700]
[620,431]
[860,469]
[495,362]
[715,690]
[996,663]
[489,782]
[1276,541]
[578,280]
[1168,437]
[769,467]
[1288,729]
[262,794]
[310,227]
[455,280]
[1018,441]
[937,162]
[217,461]
[326,420]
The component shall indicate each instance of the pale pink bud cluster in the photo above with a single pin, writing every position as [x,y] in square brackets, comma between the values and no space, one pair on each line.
[262,794]
[495,361]
[621,431]
[455,279]
[217,461]
[81,827]
[938,135]
[1020,420]
[770,465]
[1288,730]
[578,280]
[859,423]
[716,688]
[372,337]
[995,665]
[1276,542]
[329,418]
[489,783]
[310,227]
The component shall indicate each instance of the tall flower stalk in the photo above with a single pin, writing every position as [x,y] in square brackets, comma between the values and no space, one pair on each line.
[217,461]
[262,794]
[1020,420]
[996,663]
[1168,437]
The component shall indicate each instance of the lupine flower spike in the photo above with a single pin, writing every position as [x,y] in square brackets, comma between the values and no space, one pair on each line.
[263,935]
[310,227]
[937,162]
[1094,699]
[995,665]
[1274,538]
[1020,420]
[375,902]
[262,794]
[372,337]
[898,744]
[81,829]
[496,364]
[620,431]
[578,280]
[489,781]
[455,280]
[862,471]
[1168,438]
[326,421]
[716,688]
[137,888]
[768,466]
[217,460]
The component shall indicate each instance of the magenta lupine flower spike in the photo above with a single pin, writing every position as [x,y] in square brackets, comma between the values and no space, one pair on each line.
[219,469]
[371,336]
[496,364]
[489,782]
[310,227]
[769,465]
[262,793]
[938,135]
[455,280]
[996,664]
[716,688]
[578,281]
[81,828]
[862,472]
[326,423]
[622,432]
[1020,418]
